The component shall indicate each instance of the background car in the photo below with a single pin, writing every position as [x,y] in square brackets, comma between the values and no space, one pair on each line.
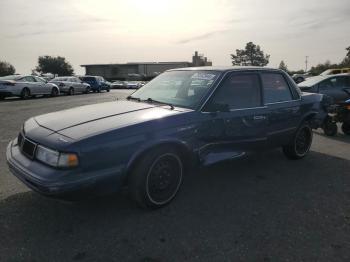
[26,86]
[133,84]
[298,78]
[118,84]
[336,71]
[335,86]
[97,83]
[71,85]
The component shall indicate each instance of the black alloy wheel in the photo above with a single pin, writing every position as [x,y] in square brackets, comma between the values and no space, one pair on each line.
[25,94]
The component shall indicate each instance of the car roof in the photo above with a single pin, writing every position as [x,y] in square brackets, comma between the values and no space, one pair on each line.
[226,68]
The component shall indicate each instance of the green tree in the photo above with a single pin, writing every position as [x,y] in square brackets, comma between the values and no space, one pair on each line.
[55,65]
[252,55]
[283,66]
[346,61]
[318,69]
[6,69]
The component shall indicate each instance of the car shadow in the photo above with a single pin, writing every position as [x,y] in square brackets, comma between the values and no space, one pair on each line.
[340,136]
[260,208]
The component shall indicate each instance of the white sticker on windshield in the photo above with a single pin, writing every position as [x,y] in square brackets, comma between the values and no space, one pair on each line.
[203,76]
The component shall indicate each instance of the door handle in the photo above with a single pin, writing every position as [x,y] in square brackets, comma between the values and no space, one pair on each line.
[259,117]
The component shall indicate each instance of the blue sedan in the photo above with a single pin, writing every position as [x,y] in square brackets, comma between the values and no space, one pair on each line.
[149,142]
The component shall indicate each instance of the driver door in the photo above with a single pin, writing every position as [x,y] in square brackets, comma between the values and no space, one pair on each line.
[237,118]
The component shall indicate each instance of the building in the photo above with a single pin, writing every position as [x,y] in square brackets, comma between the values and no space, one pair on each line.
[140,71]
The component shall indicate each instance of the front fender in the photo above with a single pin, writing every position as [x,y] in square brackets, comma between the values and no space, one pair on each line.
[184,147]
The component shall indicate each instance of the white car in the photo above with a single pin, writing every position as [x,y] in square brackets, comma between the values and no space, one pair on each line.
[26,86]
[71,85]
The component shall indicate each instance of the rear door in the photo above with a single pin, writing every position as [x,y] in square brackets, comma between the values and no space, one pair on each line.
[283,107]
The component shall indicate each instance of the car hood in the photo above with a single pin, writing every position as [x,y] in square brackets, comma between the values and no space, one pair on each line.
[84,121]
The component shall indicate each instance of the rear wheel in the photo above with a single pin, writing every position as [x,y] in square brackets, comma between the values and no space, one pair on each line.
[25,94]
[156,178]
[71,91]
[87,90]
[346,128]
[301,143]
[54,92]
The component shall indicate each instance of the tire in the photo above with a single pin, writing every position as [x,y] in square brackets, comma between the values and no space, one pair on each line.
[99,90]
[108,90]
[71,91]
[87,90]
[2,97]
[329,127]
[54,92]
[156,178]
[25,94]
[300,145]
[345,127]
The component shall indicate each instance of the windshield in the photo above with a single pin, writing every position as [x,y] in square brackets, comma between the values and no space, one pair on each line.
[311,81]
[60,79]
[179,88]
[327,72]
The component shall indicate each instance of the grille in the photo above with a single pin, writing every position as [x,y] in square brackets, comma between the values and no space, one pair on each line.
[27,147]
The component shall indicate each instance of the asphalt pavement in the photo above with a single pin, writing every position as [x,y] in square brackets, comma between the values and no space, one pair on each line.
[260,208]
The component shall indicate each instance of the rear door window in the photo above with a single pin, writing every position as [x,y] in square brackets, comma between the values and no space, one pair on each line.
[276,88]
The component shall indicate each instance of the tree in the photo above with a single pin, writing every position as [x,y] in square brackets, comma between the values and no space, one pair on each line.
[6,69]
[318,69]
[55,65]
[346,61]
[283,66]
[252,55]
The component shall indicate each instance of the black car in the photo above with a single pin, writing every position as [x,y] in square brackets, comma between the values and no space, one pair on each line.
[335,86]
[182,118]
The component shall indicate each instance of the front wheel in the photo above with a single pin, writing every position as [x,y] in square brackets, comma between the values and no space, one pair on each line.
[25,94]
[346,128]
[301,143]
[54,92]
[71,91]
[156,179]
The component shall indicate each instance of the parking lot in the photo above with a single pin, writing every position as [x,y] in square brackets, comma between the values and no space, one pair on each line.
[260,208]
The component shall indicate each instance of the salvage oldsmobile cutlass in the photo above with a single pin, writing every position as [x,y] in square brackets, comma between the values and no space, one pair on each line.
[149,141]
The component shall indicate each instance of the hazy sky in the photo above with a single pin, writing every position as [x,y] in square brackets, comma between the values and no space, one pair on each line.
[114,31]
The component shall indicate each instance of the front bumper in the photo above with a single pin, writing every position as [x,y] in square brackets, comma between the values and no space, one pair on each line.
[64,184]
[5,93]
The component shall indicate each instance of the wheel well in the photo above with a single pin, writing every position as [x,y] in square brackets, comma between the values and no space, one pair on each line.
[24,88]
[185,154]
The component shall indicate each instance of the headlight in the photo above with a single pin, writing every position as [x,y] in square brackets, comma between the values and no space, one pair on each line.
[56,159]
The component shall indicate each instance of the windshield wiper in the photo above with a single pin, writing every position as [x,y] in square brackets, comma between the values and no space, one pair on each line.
[151,100]
[133,98]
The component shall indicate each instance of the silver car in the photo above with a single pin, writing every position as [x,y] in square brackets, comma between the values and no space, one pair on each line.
[71,85]
[26,86]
